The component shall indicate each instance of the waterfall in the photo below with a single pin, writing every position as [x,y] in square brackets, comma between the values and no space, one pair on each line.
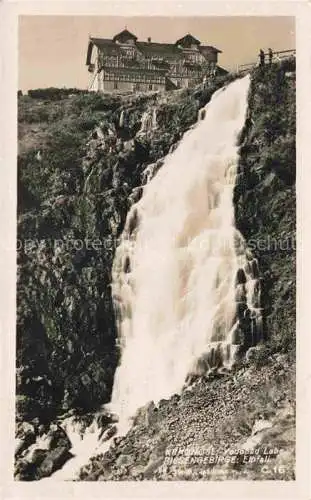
[183,279]
[100,133]
[121,119]
[186,288]
[86,442]
[154,119]
[150,171]
[148,121]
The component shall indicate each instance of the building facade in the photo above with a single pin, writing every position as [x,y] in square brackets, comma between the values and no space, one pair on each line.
[125,64]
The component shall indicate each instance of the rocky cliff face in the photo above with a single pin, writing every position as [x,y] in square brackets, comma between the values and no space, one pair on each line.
[265,196]
[81,163]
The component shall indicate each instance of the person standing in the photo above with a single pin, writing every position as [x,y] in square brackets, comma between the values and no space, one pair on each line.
[261,58]
[270,54]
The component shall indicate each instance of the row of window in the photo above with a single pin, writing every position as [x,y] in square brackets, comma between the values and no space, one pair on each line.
[135,77]
[130,52]
[117,60]
[173,70]
[123,63]
[196,58]
[136,86]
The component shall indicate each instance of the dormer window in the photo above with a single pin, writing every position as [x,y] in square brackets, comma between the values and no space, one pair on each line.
[125,36]
[187,42]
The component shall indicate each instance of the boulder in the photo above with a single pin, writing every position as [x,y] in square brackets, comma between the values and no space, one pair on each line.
[54,460]
[152,466]
[240,277]
[252,353]
[58,437]
[38,456]
[25,437]
[124,460]
[46,453]
[104,419]
[108,433]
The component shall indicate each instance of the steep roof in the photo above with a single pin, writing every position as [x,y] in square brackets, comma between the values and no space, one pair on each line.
[106,43]
[206,49]
[170,49]
[187,41]
[110,47]
[221,71]
[89,53]
[159,49]
[165,50]
[123,36]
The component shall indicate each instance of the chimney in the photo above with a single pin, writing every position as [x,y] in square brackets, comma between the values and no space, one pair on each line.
[149,39]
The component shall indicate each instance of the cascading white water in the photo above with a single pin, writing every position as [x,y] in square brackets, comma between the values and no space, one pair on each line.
[86,442]
[148,121]
[175,271]
[183,280]
[121,119]
[154,119]
[150,171]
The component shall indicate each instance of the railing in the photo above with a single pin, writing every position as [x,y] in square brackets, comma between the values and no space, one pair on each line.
[276,56]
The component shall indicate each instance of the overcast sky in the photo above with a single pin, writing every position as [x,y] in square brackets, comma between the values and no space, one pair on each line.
[52,49]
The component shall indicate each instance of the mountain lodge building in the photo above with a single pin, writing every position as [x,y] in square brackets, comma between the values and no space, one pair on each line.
[125,64]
